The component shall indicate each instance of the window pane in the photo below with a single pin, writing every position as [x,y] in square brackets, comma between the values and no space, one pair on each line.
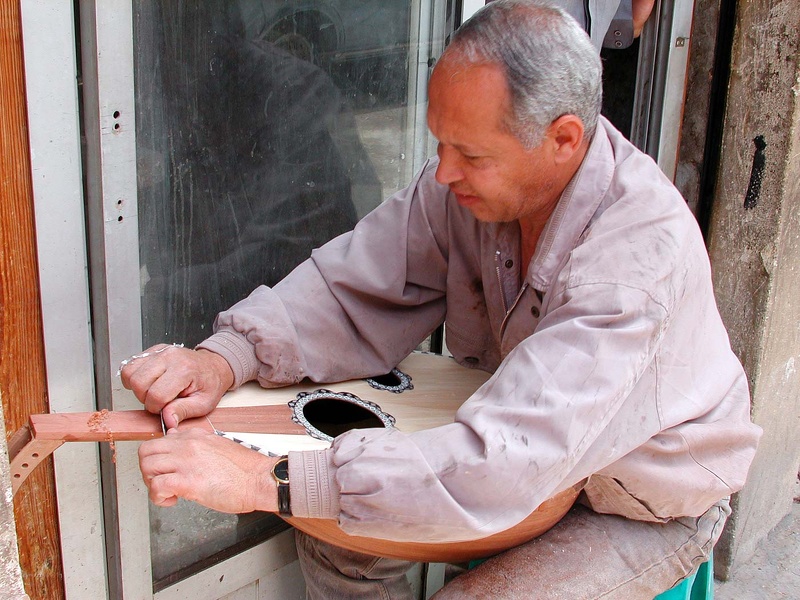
[264,129]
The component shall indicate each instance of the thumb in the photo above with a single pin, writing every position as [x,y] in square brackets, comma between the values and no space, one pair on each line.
[189,407]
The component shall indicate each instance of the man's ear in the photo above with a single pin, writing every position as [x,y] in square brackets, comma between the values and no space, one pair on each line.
[566,133]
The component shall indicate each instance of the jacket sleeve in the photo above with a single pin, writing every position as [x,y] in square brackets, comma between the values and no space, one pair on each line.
[515,441]
[356,295]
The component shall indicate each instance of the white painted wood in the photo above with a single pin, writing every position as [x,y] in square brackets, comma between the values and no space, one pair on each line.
[415,575]
[264,562]
[248,592]
[417,100]
[661,82]
[285,584]
[434,579]
[470,7]
[53,125]
[675,86]
[108,92]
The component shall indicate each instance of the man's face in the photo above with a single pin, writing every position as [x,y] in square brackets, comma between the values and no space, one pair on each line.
[487,168]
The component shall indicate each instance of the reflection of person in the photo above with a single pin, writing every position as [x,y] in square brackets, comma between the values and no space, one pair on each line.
[563,262]
[610,23]
[260,162]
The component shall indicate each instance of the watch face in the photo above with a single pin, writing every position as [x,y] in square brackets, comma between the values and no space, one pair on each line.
[281,470]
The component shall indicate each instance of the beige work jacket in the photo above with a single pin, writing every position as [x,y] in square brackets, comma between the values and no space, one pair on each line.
[610,362]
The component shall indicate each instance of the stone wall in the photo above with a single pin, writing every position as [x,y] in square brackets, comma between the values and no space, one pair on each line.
[754,243]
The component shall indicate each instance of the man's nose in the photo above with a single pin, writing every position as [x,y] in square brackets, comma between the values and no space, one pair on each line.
[449,169]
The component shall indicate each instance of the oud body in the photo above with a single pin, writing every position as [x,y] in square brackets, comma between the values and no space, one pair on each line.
[422,393]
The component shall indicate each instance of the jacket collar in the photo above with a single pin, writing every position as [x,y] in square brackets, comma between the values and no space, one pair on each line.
[579,202]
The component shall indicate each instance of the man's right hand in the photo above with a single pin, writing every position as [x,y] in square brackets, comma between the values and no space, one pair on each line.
[178,382]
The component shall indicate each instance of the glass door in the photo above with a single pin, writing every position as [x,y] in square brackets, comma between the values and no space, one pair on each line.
[224,141]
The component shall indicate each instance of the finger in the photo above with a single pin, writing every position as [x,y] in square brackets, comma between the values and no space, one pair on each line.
[166,502]
[170,385]
[156,446]
[163,490]
[180,409]
[142,380]
[155,460]
[135,364]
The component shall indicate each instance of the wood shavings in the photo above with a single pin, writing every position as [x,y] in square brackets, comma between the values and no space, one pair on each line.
[98,422]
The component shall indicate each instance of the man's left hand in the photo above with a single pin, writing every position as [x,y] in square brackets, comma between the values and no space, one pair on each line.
[207,469]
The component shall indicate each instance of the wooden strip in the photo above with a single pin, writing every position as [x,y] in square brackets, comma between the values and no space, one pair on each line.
[139,425]
[28,458]
[32,444]
[256,419]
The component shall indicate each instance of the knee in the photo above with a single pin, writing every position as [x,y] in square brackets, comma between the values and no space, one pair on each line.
[478,583]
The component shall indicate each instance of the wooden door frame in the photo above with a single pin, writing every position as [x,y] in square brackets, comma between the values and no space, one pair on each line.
[22,363]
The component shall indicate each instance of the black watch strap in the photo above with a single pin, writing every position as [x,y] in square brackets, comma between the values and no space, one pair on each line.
[280,473]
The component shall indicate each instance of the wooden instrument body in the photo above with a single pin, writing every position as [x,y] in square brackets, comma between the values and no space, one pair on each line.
[266,419]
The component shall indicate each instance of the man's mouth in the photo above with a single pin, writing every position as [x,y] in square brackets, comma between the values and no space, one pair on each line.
[465,199]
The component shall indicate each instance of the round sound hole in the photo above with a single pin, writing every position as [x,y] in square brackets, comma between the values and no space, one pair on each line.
[394,381]
[325,414]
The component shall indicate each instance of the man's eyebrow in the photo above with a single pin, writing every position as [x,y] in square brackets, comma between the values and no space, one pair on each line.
[465,148]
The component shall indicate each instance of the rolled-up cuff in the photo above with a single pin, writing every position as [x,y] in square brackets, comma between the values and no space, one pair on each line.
[240,354]
[312,485]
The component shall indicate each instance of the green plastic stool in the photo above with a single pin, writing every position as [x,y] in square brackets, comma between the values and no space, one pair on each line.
[697,586]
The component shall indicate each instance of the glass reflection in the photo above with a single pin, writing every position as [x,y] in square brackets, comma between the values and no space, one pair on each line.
[249,156]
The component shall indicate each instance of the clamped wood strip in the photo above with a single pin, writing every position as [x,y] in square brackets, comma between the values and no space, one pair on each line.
[26,453]
[34,442]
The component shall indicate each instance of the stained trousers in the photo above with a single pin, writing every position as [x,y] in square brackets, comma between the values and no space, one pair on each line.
[586,556]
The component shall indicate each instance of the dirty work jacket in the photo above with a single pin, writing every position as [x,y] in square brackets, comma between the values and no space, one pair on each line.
[609,361]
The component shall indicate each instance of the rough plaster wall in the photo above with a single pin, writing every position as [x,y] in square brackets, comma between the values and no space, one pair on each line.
[10,574]
[756,257]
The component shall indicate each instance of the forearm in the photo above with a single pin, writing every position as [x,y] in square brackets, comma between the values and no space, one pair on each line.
[527,434]
[371,307]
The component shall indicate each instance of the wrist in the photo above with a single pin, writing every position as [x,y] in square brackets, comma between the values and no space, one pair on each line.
[265,490]
[221,368]
[280,476]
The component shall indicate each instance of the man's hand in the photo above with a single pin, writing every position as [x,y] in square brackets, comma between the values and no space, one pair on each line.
[207,469]
[641,12]
[180,382]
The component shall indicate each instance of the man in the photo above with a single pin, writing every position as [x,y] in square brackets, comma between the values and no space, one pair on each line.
[563,262]
[610,23]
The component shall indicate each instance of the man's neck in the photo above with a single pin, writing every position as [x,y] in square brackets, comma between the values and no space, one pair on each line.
[531,226]
[529,238]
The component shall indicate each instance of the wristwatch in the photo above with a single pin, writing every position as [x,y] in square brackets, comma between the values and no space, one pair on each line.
[280,473]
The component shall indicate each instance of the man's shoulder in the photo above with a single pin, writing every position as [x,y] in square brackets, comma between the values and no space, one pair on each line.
[637,181]
[642,233]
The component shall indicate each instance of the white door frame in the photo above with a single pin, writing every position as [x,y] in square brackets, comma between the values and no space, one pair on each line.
[54,135]
[105,545]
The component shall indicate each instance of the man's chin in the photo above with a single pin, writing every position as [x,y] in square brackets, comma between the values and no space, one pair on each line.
[475,205]
[484,216]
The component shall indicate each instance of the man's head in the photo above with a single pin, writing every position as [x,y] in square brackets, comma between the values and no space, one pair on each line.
[550,65]
[513,102]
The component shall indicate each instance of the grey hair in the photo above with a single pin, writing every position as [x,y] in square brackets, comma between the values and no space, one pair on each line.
[551,66]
